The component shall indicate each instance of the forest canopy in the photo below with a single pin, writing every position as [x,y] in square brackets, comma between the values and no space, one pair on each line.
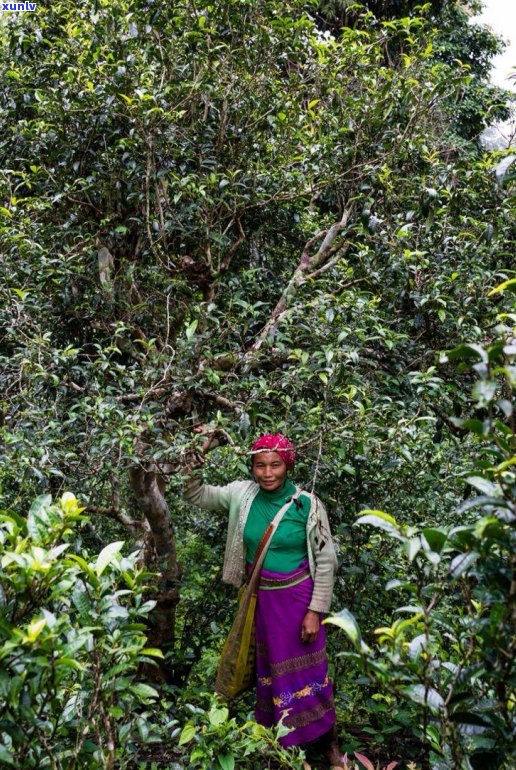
[218,220]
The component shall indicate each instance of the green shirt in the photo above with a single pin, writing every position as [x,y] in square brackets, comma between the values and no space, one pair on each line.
[287,548]
[235,499]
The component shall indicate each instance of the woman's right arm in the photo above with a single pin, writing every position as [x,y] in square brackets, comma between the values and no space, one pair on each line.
[206,495]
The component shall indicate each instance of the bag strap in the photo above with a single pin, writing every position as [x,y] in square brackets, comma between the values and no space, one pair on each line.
[263,545]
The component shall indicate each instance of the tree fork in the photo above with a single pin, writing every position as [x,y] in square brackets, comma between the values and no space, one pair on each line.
[308,267]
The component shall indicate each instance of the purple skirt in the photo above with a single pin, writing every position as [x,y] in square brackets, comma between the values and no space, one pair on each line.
[291,677]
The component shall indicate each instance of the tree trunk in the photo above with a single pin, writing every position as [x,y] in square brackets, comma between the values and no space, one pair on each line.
[148,487]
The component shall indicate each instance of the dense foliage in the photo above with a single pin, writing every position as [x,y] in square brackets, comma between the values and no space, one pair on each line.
[454,653]
[72,638]
[218,219]
[458,38]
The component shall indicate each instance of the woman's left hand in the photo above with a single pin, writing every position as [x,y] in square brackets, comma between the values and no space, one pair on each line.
[310,627]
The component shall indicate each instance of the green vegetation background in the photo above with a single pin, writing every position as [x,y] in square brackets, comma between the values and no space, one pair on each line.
[216,220]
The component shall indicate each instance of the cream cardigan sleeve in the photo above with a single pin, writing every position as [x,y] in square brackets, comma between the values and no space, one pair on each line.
[323,560]
[207,496]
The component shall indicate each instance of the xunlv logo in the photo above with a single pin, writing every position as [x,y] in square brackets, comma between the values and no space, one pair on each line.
[19,6]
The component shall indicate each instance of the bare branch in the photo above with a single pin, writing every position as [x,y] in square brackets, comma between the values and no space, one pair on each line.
[227,259]
[338,254]
[221,401]
[307,265]
[252,360]
[347,285]
[111,511]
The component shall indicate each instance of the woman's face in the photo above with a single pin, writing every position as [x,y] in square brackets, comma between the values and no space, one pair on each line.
[269,470]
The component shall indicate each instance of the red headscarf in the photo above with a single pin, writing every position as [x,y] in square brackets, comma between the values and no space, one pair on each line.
[277,442]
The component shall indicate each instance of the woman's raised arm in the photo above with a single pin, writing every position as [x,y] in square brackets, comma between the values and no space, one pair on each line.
[207,496]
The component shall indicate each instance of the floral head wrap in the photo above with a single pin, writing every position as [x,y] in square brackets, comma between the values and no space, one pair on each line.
[277,442]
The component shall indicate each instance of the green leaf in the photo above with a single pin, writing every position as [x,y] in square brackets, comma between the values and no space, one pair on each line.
[435,539]
[487,526]
[510,284]
[479,427]
[82,601]
[71,663]
[483,485]
[425,697]
[107,555]
[72,557]
[380,514]
[226,761]
[38,520]
[380,520]
[416,646]
[54,553]
[35,628]
[503,170]
[144,692]
[190,329]
[6,757]
[461,563]
[462,537]
[152,652]
[187,733]
[412,548]
[347,622]
[218,716]
[484,391]
[21,293]
[69,503]
[467,352]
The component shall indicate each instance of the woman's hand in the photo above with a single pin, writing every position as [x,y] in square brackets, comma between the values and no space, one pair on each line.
[310,627]
[192,460]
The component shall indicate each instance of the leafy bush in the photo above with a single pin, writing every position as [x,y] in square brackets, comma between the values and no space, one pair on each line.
[215,740]
[452,651]
[71,642]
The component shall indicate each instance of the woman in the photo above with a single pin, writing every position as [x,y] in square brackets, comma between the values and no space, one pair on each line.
[296,586]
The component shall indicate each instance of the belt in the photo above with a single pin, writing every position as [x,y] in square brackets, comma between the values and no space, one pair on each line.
[274,584]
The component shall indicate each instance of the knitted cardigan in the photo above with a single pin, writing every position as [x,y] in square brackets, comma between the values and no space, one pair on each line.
[236,499]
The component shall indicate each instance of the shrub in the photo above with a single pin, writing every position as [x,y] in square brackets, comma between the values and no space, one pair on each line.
[215,739]
[452,648]
[71,641]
